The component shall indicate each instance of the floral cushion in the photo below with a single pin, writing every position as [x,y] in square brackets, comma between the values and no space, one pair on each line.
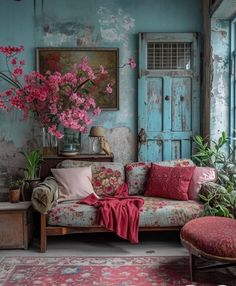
[106,176]
[136,177]
[156,212]
[106,181]
[137,173]
[211,235]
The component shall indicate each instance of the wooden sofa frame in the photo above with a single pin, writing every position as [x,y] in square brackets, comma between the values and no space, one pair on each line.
[47,230]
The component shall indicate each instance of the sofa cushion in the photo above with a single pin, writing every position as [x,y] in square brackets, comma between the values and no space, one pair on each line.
[106,181]
[156,212]
[74,183]
[200,176]
[136,177]
[137,173]
[106,176]
[169,182]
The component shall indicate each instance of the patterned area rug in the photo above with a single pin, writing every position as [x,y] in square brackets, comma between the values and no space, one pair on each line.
[105,271]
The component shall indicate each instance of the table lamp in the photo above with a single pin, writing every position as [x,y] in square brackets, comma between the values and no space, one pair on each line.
[96,135]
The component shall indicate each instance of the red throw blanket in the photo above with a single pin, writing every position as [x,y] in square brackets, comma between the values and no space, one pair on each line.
[119,213]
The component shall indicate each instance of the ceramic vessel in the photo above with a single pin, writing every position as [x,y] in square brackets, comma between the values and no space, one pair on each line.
[14,195]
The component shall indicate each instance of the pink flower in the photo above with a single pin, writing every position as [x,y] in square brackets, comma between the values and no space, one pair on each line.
[2,105]
[129,168]
[108,189]
[132,63]
[13,61]
[9,92]
[109,88]
[10,50]
[97,183]
[109,171]
[18,71]
[55,99]
[117,173]
[102,70]
[96,111]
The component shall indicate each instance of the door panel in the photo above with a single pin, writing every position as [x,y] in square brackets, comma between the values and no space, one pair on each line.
[181,104]
[154,104]
[169,95]
[155,148]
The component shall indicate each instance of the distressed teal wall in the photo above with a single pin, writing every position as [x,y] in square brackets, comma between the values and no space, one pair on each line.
[220,95]
[220,108]
[91,23]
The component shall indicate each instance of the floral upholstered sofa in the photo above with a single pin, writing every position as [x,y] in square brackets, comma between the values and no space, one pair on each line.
[72,217]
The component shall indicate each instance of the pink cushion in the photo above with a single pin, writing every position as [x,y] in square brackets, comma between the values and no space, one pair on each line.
[169,182]
[74,183]
[213,235]
[200,175]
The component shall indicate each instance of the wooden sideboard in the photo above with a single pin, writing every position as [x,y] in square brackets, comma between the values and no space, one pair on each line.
[51,161]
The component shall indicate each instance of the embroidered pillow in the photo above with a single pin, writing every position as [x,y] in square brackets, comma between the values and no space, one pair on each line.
[106,181]
[169,182]
[200,176]
[74,183]
[137,173]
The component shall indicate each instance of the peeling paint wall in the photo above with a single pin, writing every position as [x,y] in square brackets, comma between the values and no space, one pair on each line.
[219,102]
[90,23]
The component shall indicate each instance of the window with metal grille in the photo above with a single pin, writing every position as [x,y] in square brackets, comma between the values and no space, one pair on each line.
[169,56]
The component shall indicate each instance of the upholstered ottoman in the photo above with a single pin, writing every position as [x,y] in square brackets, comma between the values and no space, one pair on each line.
[211,238]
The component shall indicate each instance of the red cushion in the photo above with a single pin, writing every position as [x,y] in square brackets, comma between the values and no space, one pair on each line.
[169,182]
[213,235]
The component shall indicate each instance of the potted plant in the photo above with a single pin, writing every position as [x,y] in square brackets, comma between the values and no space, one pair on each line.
[31,172]
[15,190]
[219,198]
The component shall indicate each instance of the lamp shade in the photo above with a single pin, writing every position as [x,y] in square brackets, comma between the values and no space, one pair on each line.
[97,131]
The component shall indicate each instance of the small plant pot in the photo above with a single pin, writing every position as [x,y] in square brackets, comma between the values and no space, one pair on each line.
[14,196]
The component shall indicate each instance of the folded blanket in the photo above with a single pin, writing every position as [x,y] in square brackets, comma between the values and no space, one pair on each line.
[45,195]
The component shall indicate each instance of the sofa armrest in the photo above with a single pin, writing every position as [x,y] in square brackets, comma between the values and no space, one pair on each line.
[45,195]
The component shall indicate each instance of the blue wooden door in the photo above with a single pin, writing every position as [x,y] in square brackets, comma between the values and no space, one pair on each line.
[169,95]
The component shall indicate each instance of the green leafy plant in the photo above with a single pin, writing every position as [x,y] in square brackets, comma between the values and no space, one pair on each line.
[209,153]
[15,184]
[221,200]
[33,160]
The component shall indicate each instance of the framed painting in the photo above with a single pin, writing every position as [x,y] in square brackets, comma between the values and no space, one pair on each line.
[63,59]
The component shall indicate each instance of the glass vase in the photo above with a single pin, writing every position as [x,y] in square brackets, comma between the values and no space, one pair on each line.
[49,143]
[69,145]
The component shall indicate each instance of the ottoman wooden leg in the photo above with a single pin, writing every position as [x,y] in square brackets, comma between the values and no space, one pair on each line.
[192,267]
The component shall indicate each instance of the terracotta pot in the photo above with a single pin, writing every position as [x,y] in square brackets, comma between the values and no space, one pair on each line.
[14,196]
[28,187]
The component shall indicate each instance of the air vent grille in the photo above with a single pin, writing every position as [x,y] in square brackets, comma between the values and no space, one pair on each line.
[169,56]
